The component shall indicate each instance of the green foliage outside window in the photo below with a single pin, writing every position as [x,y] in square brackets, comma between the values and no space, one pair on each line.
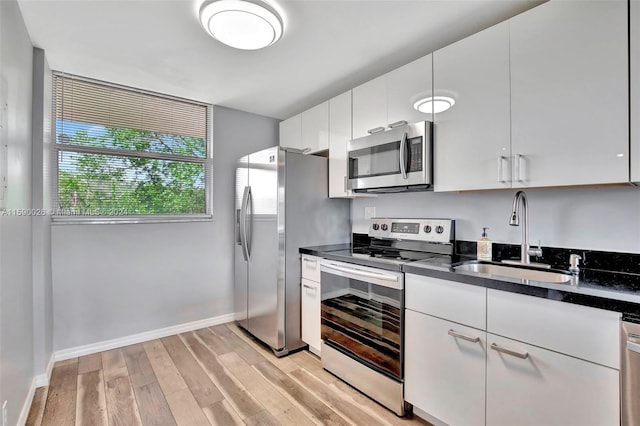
[106,184]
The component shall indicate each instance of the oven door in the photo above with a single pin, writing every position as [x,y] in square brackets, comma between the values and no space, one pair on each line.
[362,315]
[397,157]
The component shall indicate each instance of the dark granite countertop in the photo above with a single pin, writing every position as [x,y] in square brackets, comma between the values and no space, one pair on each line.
[614,291]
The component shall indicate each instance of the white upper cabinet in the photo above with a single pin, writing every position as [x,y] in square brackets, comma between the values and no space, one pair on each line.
[635,89]
[315,128]
[472,138]
[569,94]
[291,132]
[407,85]
[339,135]
[390,98]
[370,106]
[308,131]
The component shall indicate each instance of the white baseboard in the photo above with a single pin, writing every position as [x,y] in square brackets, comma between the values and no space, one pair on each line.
[24,413]
[43,379]
[140,337]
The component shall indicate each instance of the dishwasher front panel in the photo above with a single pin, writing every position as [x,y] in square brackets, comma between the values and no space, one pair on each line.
[630,373]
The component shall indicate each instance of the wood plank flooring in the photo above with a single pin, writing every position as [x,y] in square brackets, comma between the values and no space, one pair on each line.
[213,376]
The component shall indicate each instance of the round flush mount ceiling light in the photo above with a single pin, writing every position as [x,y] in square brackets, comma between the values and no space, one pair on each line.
[243,24]
[438,103]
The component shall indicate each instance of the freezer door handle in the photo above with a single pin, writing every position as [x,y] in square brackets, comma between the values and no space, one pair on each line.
[633,347]
[248,235]
[238,231]
[243,222]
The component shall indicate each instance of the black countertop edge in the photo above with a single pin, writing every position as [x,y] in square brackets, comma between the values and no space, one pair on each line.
[629,310]
[321,251]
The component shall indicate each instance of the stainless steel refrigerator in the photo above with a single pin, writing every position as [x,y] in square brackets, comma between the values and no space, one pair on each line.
[281,204]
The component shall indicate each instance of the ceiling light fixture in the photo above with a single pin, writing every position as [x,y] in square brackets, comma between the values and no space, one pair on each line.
[243,24]
[438,103]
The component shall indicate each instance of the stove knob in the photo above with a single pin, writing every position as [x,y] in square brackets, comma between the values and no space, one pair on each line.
[385,227]
[376,226]
[439,229]
[427,229]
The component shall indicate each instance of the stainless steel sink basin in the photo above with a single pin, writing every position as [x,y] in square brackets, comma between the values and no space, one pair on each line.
[517,272]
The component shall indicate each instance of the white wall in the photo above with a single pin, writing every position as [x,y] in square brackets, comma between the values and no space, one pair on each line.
[110,281]
[606,219]
[16,295]
[41,225]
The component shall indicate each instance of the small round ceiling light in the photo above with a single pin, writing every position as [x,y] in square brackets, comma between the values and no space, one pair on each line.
[438,103]
[242,24]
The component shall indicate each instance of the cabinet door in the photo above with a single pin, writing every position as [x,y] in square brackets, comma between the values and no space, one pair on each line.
[569,94]
[369,106]
[405,86]
[339,135]
[634,10]
[311,314]
[445,374]
[473,138]
[291,132]
[548,388]
[315,128]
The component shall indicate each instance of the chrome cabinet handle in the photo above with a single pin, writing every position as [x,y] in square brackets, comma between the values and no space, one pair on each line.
[633,347]
[314,262]
[403,159]
[309,287]
[521,355]
[457,335]
[397,124]
[375,130]
[518,158]
[501,160]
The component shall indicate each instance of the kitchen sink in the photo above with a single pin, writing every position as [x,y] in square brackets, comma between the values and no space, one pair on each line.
[518,272]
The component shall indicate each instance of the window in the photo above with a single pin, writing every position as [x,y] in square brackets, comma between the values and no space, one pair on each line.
[123,154]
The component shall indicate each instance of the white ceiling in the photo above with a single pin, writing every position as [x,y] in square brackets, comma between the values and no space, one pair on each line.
[328,46]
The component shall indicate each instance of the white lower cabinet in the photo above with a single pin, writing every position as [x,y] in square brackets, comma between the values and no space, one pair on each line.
[557,367]
[311,314]
[445,369]
[547,388]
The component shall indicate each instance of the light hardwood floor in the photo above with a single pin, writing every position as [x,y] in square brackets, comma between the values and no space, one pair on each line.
[217,375]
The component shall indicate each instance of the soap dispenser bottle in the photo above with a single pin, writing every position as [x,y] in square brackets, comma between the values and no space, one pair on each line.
[484,246]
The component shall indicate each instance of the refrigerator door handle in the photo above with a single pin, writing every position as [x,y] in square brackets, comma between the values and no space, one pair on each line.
[247,239]
[243,223]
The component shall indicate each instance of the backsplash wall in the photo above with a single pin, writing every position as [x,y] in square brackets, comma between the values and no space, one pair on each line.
[606,219]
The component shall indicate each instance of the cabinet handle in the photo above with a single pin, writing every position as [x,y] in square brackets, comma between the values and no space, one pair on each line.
[313,262]
[518,158]
[633,347]
[375,130]
[521,355]
[309,287]
[397,124]
[457,335]
[501,160]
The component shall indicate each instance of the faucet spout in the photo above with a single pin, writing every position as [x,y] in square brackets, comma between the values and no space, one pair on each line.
[518,199]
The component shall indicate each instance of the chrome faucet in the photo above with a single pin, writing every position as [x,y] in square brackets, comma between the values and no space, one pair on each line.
[525,251]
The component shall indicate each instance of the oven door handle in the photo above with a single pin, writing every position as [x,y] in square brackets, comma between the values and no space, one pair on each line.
[361,273]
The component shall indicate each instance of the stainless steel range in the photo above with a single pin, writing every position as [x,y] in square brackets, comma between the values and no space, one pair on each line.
[362,308]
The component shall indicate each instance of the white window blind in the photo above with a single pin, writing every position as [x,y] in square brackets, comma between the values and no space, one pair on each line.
[125,153]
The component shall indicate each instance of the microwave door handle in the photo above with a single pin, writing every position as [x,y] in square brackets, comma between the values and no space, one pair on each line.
[403,156]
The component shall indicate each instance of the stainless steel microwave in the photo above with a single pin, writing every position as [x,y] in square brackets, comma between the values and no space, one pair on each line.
[394,160]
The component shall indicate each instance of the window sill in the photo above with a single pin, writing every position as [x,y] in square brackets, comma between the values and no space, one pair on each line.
[116,220]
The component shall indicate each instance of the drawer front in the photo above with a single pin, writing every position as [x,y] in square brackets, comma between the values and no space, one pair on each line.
[587,333]
[462,303]
[541,387]
[311,268]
